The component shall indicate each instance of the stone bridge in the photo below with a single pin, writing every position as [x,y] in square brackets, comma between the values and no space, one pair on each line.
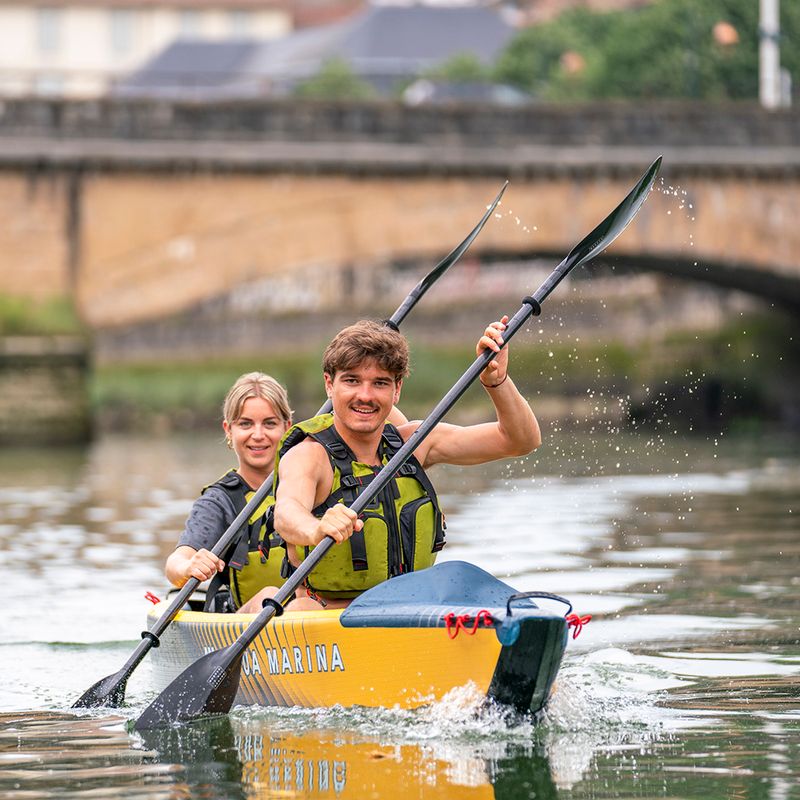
[146,210]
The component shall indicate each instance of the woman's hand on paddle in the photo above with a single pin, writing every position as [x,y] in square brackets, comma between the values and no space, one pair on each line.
[203,565]
[339,523]
[497,369]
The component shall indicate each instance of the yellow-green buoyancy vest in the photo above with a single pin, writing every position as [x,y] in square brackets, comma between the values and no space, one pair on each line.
[256,558]
[403,526]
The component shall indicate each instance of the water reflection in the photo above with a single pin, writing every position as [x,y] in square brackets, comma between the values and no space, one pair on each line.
[265,758]
[63,756]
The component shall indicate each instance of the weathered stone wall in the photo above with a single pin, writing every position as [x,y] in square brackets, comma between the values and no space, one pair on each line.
[43,391]
[34,239]
[154,246]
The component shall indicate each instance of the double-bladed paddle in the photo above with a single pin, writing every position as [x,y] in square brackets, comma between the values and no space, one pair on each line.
[110,691]
[209,685]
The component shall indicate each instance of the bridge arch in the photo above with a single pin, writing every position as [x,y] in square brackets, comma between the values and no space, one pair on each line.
[156,244]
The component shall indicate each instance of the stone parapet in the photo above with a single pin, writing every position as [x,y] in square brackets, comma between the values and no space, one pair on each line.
[606,124]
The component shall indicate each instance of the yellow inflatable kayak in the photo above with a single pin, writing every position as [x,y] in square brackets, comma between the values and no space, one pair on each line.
[405,643]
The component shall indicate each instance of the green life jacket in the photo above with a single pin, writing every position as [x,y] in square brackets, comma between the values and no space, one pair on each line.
[403,526]
[257,556]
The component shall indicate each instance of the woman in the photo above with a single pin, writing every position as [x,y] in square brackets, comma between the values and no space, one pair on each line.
[255,414]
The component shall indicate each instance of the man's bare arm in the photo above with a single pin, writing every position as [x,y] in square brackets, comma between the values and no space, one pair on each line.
[514,433]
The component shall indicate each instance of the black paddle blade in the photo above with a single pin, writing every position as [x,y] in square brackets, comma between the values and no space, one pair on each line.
[109,691]
[208,686]
[616,222]
[451,258]
[460,249]
[605,233]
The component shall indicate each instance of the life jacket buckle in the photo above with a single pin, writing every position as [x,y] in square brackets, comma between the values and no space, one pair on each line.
[338,450]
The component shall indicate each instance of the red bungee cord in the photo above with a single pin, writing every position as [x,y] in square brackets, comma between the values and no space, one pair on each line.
[576,621]
[454,623]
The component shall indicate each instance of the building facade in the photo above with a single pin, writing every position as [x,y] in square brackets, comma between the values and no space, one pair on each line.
[78,48]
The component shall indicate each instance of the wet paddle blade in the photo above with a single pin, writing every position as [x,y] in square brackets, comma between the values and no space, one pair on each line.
[451,258]
[616,222]
[460,249]
[208,686]
[604,234]
[109,691]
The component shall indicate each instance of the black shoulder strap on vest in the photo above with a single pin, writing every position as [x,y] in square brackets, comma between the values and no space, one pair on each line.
[342,458]
[236,489]
[391,443]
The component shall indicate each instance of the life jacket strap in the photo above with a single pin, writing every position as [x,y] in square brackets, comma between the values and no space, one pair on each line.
[351,486]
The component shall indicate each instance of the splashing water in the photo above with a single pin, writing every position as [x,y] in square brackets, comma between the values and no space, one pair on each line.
[684,203]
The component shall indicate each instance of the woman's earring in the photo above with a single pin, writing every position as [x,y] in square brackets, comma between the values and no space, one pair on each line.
[229,442]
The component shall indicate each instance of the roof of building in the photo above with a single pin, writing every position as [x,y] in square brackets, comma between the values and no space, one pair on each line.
[382,43]
[390,39]
[190,67]
[138,5]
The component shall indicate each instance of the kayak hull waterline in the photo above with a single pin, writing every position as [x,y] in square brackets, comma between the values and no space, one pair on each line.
[391,648]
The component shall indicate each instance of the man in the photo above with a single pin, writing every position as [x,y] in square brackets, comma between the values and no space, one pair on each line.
[324,463]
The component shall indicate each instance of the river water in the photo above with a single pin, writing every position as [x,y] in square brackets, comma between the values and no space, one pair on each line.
[685,684]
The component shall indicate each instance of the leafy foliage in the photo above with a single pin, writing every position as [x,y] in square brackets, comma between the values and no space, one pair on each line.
[664,50]
[460,68]
[335,81]
[22,316]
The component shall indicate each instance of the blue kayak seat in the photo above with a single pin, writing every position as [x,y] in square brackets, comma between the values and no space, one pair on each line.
[420,599]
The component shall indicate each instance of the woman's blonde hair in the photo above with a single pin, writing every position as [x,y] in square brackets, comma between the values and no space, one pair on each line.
[255,384]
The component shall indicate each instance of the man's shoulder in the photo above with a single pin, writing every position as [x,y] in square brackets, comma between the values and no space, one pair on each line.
[407,428]
[307,450]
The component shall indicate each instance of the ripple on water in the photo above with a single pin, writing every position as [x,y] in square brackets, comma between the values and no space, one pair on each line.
[52,755]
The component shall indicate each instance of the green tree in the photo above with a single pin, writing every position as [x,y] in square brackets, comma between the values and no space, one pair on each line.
[461,68]
[533,59]
[664,50]
[335,81]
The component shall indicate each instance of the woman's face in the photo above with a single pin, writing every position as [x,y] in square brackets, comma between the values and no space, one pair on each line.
[255,435]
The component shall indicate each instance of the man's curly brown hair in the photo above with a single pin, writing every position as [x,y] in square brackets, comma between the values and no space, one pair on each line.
[364,340]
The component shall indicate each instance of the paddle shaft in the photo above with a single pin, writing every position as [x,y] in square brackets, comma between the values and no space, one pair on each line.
[596,241]
[391,468]
[111,688]
[211,683]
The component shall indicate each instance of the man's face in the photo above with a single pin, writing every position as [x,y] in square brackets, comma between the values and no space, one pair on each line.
[362,397]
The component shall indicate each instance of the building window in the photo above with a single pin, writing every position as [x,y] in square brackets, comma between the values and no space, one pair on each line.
[122,30]
[240,23]
[189,24]
[48,29]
